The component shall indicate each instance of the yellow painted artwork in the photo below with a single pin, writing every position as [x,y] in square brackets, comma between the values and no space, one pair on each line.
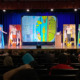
[69,35]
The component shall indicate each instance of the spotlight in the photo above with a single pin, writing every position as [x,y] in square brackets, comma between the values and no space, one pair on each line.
[52,10]
[27,10]
[75,10]
[4,10]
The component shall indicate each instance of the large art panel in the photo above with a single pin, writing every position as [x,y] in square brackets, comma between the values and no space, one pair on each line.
[14,36]
[78,43]
[52,23]
[38,28]
[1,36]
[69,35]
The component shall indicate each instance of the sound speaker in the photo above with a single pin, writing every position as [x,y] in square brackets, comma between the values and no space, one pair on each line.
[38,46]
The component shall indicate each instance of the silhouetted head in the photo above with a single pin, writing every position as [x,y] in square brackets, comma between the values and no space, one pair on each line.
[62,59]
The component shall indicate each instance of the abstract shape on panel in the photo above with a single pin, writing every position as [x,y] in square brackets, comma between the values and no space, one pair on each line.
[14,36]
[38,28]
[44,25]
[69,35]
[51,28]
[1,36]
[78,43]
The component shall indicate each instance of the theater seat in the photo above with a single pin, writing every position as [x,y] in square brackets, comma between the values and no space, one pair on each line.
[64,74]
[43,74]
[42,71]
[75,65]
[63,77]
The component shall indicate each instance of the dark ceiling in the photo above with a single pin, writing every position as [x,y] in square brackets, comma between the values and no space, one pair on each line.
[39,4]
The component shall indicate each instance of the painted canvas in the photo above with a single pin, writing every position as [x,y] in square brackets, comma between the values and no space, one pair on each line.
[14,35]
[78,43]
[1,36]
[39,28]
[69,35]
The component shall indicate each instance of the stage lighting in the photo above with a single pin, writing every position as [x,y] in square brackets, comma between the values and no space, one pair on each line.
[75,10]
[52,10]
[4,10]
[27,10]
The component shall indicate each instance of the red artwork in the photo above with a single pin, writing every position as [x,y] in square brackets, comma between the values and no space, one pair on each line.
[15,36]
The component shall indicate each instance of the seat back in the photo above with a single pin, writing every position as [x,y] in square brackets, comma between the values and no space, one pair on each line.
[64,74]
[43,74]
[64,71]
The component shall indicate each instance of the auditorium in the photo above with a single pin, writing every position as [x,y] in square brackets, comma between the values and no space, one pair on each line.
[39,39]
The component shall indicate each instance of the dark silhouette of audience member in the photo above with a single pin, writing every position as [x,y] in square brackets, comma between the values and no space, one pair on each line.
[79,58]
[8,61]
[46,57]
[25,72]
[62,63]
[78,75]
[10,52]
[29,59]
[73,58]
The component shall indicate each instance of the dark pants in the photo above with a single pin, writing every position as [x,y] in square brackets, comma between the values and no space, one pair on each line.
[69,37]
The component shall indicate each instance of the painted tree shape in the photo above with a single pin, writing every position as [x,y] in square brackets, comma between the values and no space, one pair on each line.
[43,33]
[44,18]
[52,28]
[79,35]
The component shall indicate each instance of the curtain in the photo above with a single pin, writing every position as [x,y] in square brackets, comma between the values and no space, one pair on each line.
[8,18]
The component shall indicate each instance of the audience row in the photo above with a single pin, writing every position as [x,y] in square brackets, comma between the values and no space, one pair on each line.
[36,65]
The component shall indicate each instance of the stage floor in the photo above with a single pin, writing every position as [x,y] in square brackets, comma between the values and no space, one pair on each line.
[42,47]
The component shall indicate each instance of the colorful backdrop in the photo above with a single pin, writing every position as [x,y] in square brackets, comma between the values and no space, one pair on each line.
[39,28]
[16,18]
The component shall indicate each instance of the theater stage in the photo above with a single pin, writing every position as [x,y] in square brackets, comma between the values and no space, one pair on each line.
[42,47]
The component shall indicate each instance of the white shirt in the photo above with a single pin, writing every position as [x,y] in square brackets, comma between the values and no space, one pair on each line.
[14,31]
[68,30]
[11,36]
